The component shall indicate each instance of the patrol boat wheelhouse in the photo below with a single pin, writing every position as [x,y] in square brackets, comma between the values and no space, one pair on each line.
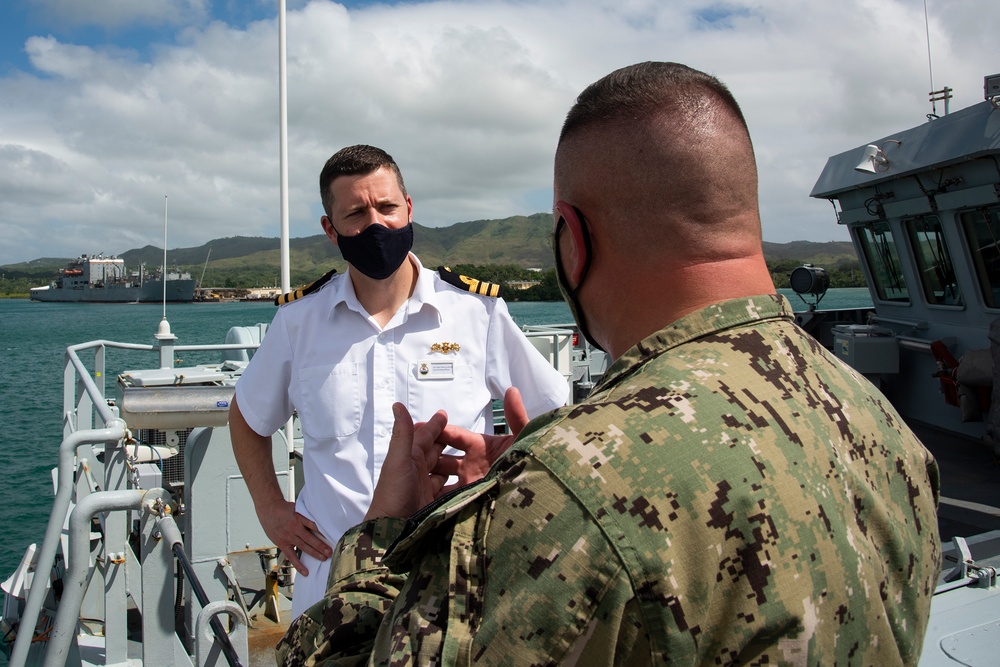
[923,210]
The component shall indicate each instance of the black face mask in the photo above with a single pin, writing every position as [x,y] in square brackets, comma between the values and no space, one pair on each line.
[377,251]
[572,295]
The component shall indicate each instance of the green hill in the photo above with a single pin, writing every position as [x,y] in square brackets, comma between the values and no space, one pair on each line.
[518,241]
[829,254]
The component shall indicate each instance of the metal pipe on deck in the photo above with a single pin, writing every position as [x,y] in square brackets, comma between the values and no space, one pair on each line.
[913,324]
[172,537]
[46,557]
[78,562]
[914,344]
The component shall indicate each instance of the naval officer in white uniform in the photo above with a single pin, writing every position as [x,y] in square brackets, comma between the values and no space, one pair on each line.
[342,351]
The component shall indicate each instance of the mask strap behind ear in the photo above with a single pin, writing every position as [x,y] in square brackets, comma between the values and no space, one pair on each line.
[332,226]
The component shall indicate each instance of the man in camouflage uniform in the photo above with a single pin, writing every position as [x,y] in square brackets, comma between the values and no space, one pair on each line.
[729,494]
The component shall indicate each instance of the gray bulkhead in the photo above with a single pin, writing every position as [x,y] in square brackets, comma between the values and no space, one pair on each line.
[926,227]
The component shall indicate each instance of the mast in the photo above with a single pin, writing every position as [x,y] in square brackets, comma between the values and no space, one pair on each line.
[164,338]
[201,281]
[286,281]
[163,272]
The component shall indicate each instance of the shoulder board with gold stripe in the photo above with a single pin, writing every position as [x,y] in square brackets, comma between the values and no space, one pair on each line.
[288,297]
[467,284]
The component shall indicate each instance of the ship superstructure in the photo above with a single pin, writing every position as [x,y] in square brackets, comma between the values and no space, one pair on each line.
[100,279]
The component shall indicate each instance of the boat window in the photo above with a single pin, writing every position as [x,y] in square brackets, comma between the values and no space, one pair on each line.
[934,265]
[982,230]
[883,261]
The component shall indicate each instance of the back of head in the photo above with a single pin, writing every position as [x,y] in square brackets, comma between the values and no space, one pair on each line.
[663,153]
[357,160]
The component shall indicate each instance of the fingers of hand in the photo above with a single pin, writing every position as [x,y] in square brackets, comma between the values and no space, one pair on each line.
[401,444]
[428,433]
[513,410]
[426,445]
[312,544]
[437,484]
[298,532]
[447,465]
[460,438]
[496,447]
[402,426]
[293,558]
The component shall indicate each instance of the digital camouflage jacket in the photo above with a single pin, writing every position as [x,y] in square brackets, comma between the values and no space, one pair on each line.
[730,494]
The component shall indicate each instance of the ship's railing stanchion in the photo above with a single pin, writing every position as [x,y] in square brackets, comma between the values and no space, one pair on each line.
[50,543]
[84,403]
[581,364]
[81,395]
[172,538]
[115,544]
[206,654]
[555,343]
[78,563]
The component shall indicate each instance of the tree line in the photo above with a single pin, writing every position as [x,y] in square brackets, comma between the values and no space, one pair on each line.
[17,284]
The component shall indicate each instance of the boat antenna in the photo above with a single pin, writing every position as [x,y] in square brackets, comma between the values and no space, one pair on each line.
[163,273]
[935,95]
[163,335]
[930,66]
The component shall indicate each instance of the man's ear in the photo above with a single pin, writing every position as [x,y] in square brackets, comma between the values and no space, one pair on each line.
[328,229]
[575,262]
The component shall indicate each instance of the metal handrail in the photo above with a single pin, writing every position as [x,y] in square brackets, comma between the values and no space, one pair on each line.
[913,324]
[46,557]
[115,431]
[172,539]
[78,562]
[95,394]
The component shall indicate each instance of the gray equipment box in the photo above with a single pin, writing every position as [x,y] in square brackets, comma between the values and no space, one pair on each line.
[174,398]
[867,349]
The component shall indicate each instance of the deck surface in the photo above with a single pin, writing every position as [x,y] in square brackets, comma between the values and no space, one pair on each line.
[970,483]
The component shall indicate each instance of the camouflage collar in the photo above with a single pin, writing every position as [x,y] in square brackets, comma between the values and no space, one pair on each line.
[708,320]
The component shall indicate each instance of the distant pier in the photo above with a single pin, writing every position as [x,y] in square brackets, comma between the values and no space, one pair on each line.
[229,294]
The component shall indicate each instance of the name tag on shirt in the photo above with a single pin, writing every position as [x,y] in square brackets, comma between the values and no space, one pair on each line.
[435,370]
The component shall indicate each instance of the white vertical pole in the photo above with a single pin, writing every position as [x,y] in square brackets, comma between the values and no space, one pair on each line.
[163,274]
[283,146]
[286,277]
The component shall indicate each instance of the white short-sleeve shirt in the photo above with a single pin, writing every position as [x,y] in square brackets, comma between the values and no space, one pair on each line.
[326,357]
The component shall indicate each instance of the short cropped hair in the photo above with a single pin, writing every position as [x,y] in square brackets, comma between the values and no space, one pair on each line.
[357,160]
[638,91]
[663,154]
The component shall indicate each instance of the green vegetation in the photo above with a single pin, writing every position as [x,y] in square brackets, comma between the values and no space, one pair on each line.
[15,284]
[844,272]
[501,251]
[546,290]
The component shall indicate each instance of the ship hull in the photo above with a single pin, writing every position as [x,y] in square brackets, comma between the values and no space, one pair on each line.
[178,291]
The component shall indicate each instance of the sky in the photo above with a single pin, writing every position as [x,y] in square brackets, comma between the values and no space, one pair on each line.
[113,111]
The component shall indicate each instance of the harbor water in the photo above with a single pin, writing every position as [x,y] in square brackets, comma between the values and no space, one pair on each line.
[33,341]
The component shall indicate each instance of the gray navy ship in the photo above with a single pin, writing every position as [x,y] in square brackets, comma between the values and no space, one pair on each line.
[100,279]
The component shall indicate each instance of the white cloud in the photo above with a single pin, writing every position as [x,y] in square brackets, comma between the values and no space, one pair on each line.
[467,96]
